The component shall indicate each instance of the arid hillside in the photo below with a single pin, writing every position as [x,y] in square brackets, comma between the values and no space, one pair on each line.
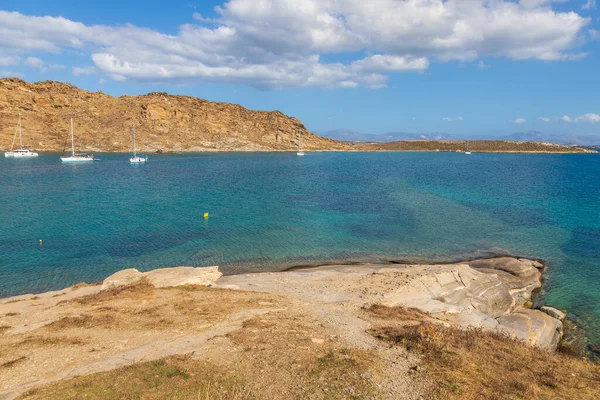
[163,122]
[479,146]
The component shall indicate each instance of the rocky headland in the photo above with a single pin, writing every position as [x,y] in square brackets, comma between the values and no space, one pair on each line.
[342,331]
[163,122]
[172,123]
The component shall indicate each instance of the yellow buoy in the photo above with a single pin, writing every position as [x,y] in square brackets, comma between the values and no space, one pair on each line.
[205,215]
[40,242]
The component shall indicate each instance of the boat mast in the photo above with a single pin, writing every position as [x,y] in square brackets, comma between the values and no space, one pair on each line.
[72,140]
[20,132]
[133,133]
[299,140]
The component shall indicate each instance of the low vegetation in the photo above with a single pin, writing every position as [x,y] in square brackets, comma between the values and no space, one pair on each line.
[474,364]
[483,146]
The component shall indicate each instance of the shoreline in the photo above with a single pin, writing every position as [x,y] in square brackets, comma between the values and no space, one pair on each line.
[151,315]
[187,152]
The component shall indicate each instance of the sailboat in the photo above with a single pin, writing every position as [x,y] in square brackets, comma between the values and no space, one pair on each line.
[76,157]
[467,151]
[300,152]
[22,151]
[136,159]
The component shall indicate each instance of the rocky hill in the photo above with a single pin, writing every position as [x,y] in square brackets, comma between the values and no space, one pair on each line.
[476,146]
[163,122]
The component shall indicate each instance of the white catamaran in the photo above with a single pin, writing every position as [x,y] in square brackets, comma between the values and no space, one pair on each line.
[300,152]
[76,157]
[22,151]
[135,159]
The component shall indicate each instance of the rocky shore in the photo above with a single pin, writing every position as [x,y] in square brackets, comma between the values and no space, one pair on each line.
[135,317]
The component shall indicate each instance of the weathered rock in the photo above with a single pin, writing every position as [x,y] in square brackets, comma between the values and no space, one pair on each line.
[178,276]
[533,326]
[491,294]
[554,312]
[164,277]
[122,278]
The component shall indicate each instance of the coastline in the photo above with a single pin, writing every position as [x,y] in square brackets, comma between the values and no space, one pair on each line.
[493,294]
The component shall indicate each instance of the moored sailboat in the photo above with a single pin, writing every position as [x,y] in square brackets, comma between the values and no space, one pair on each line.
[22,151]
[76,157]
[300,152]
[135,159]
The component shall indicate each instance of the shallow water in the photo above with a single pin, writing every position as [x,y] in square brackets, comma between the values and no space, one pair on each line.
[271,211]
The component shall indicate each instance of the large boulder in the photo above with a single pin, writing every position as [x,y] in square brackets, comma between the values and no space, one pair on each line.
[122,278]
[164,277]
[533,326]
[179,276]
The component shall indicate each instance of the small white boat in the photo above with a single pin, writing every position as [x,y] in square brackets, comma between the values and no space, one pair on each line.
[22,151]
[76,157]
[135,159]
[300,152]
[467,151]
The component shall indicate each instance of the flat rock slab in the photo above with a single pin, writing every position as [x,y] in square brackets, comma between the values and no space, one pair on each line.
[164,277]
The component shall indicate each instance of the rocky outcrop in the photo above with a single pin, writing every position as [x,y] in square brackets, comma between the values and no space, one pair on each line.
[491,294]
[163,122]
[164,277]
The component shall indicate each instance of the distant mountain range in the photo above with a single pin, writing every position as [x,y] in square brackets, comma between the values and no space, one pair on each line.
[348,135]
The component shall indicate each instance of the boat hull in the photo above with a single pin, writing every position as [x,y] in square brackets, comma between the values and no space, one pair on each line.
[138,160]
[76,159]
[14,154]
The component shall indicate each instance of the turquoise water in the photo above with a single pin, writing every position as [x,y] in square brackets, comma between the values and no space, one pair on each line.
[271,211]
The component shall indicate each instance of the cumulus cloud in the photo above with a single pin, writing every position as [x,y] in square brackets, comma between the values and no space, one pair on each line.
[78,71]
[519,121]
[5,61]
[585,118]
[279,44]
[545,119]
[589,5]
[35,62]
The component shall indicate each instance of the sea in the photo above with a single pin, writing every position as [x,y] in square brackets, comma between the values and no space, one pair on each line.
[61,224]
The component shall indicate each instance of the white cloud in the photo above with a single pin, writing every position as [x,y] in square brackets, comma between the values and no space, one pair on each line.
[594,34]
[483,65]
[589,5]
[10,74]
[545,119]
[519,121]
[78,71]
[5,61]
[35,62]
[449,119]
[585,118]
[414,118]
[278,44]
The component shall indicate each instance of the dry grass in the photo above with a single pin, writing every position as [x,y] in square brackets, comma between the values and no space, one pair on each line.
[140,290]
[473,364]
[37,341]
[176,377]
[83,321]
[13,362]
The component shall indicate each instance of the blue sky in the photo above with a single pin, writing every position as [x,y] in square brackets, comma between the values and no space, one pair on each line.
[460,66]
